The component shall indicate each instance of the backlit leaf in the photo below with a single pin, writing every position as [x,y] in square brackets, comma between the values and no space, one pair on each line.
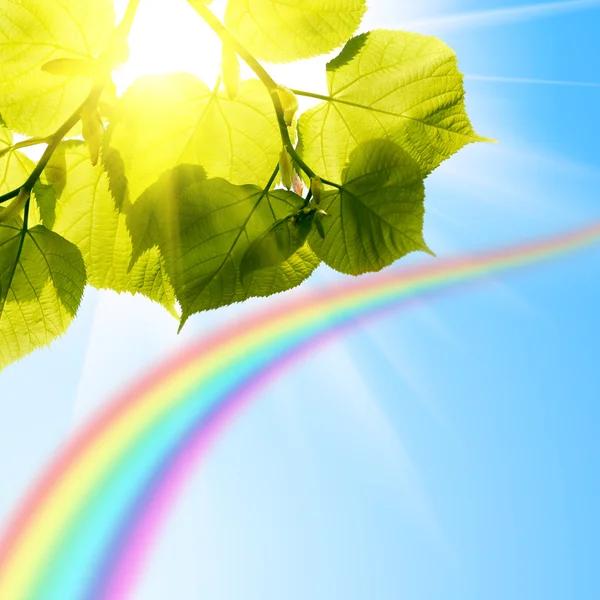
[276,245]
[42,277]
[15,167]
[388,84]
[169,120]
[377,216]
[71,67]
[35,32]
[154,219]
[85,214]
[212,224]
[288,30]
[170,193]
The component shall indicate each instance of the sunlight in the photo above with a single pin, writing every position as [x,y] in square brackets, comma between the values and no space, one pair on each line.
[169,37]
[499,16]
[530,81]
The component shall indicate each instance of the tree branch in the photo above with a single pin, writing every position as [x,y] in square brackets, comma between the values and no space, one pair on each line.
[229,39]
[92,99]
[124,27]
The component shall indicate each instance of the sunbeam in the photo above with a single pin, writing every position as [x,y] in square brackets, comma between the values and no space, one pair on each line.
[433,435]
[500,16]
[525,80]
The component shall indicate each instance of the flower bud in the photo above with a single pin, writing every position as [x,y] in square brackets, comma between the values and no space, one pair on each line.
[289,102]
[298,186]
[286,168]
[316,187]
[92,130]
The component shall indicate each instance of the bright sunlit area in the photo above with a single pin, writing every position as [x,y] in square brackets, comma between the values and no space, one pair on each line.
[169,37]
[443,449]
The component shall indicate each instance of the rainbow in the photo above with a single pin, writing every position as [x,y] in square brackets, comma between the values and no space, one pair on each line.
[85,529]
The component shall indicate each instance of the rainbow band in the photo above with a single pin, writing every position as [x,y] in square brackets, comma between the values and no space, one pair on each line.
[84,531]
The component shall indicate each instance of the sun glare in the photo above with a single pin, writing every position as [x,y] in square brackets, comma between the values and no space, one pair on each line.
[167,37]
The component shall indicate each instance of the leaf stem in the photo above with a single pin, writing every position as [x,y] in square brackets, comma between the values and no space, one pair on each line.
[9,195]
[271,181]
[346,102]
[307,199]
[22,235]
[123,29]
[310,95]
[229,39]
[60,133]
[335,185]
[24,144]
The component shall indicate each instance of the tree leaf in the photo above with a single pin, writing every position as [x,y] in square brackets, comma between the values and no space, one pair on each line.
[15,167]
[72,67]
[154,219]
[50,186]
[377,215]
[35,32]
[85,214]
[169,120]
[276,245]
[212,224]
[388,84]
[288,30]
[42,278]
[92,131]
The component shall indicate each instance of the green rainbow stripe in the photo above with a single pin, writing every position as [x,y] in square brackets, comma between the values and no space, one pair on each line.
[84,530]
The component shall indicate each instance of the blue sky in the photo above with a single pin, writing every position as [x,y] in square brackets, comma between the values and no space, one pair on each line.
[449,450]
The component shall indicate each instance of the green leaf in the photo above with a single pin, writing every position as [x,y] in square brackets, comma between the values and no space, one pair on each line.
[42,278]
[35,32]
[169,120]
[154,219]
[211,225]
[319,227]
[283,239]
[72,67]
[50,186]
[377,215]
[46,196]
[388,84]
[288,30]
[85,214]
[15,167]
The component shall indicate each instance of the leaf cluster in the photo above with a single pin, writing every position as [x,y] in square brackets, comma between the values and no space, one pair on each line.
[196,197]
